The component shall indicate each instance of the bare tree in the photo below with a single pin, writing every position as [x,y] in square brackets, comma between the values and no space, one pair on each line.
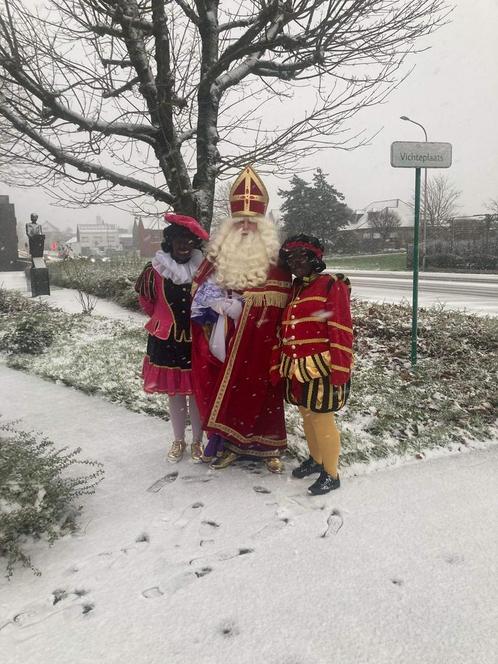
[442,203]
[75,273]
[384,222]
[221,202]
[128,100]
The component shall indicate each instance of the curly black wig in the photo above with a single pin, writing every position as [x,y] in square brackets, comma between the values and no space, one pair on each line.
[173,231]
[317,264]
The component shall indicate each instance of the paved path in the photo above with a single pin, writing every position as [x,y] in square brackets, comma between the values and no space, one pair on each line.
[215,567]
[67,299]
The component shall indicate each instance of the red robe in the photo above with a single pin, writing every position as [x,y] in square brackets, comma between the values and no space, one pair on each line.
[236,398]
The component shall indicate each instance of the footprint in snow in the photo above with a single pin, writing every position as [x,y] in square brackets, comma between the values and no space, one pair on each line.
[142,538]
[197,479]
[228,629]
[178,582]
[454,559]
[334,523]
[203,571]
[151,593]
[80,592]
[58,595]
[204,562]
[242,551]
[206,542]
[272,528]
[86,608]
[261,489]
[163,481]
[36,614]
[188,514]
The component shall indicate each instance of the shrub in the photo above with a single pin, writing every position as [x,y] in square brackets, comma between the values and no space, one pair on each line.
[112,279]
[444,260]
[481,262]
[12,302]
[35,329]
[36,498]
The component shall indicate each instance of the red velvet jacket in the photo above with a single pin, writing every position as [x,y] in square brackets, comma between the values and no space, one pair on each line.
[150,290]
[317,319]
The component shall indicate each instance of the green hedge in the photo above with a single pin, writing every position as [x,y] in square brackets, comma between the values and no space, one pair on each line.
[113,279]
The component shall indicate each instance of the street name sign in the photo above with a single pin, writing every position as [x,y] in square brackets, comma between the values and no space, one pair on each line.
[410,154]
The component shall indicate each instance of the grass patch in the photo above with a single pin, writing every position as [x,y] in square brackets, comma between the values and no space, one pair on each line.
[394,262]
[450,400]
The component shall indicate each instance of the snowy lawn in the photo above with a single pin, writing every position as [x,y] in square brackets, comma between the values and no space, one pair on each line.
[393,412]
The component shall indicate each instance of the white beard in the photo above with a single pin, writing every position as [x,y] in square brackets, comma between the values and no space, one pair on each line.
[243,261]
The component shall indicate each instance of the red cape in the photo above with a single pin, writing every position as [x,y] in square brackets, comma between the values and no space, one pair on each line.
[236,398]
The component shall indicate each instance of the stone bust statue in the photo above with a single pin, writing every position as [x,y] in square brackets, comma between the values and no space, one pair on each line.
[36,238]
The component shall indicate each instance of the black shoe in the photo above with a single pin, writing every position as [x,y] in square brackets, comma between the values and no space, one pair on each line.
[324,484]
[308,467]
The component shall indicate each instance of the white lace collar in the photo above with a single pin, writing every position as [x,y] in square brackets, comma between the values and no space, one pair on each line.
[179,273]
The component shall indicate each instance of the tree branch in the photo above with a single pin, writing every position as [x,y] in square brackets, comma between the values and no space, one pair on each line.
[188,11]
[62,156]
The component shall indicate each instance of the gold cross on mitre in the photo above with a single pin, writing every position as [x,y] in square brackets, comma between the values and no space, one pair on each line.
[248,195]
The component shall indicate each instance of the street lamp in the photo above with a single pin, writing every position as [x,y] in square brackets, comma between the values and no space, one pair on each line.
[424,230]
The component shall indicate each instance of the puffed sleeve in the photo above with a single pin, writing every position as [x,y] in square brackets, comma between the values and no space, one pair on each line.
[340,330]
[145,287]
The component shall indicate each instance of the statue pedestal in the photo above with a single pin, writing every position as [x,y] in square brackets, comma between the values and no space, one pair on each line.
[39,278]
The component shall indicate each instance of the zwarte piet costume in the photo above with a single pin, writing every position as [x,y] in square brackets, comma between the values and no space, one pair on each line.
[317,338]
[164,289]
[164,294]
[316,355]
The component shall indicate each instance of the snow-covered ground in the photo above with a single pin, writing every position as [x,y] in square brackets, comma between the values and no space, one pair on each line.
[67,299]
[183,564]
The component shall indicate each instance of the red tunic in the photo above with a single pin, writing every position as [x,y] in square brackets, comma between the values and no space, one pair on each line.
[317,321]
[239,401]
[316,352]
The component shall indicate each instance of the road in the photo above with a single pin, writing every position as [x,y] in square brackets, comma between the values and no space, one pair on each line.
[477,293]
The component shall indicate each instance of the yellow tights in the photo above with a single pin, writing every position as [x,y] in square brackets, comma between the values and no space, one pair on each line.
[323,437]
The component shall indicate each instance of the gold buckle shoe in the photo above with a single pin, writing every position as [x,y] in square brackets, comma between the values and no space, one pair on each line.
[274,465]
[197,452]
[176,451]
[224,461]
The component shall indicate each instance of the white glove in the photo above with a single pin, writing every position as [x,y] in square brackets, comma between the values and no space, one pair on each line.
[227,306]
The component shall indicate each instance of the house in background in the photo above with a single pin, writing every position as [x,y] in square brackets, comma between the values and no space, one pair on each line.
[148,235]
[97,239]
[54,236]
[125,240]
[362,235]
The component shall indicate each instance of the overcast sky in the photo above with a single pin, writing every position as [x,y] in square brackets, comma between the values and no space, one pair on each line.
[453,92]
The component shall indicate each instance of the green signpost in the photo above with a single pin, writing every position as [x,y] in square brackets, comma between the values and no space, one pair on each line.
[409,154]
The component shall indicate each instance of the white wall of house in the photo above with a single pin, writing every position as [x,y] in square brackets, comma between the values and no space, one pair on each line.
[404,211]
[98,238]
